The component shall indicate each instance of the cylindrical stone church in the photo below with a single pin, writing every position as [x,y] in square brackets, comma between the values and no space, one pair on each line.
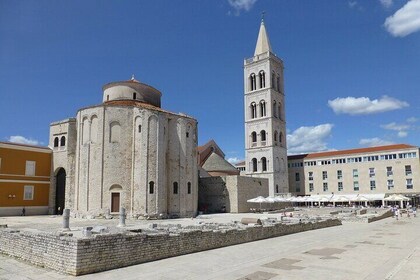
[131,153]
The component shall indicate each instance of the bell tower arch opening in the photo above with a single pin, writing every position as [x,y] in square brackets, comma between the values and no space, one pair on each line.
[60,190]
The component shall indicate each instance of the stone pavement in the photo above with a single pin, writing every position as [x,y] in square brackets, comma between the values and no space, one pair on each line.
[387,249]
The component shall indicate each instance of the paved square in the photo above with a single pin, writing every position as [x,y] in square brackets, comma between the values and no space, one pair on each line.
[286,264]
[259,275]
[325,252]
[341,252]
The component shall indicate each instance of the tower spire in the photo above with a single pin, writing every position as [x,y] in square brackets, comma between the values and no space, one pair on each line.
[263,43]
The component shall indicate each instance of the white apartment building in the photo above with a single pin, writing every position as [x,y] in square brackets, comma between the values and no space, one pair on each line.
[376,170]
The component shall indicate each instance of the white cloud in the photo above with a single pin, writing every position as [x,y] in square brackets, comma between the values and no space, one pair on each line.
[22,140]
[355,5]
[395,126]
[308,139]
[364,106]
[412,120]
[242,5]
[373,142]
[401,128]
[386,3]
[234,160]
[404,21]
[352,4]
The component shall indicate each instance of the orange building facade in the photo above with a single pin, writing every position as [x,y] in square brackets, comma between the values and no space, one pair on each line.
[25,179]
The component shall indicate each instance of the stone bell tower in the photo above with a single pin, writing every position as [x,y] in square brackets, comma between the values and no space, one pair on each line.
[265,123]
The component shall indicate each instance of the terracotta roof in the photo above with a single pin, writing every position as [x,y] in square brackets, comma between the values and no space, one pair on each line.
[240,163]
[205,151]
[201,148]
[135,103]
[360,151]
[292,157]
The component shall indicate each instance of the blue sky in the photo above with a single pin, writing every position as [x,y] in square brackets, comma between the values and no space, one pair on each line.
[352,68]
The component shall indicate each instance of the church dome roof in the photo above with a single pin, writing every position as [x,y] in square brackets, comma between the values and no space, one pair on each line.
[131,90]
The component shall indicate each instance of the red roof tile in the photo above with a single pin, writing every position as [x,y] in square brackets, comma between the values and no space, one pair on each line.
[360,151]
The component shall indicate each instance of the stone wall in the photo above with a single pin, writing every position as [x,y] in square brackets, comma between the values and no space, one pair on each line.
[246,188]
[77,256]
[384,215]
[230,193]
[143,156]
[212,195]
[63,157]
[41,248]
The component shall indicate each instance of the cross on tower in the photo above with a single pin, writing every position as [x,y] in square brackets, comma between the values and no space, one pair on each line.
[262,15]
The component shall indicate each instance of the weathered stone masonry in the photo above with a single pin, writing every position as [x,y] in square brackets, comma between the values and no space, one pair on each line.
[78,256]
[42,249]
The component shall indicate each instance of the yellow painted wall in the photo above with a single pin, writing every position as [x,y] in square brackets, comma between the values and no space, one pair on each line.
[13,179]
[41,194]
[14,162]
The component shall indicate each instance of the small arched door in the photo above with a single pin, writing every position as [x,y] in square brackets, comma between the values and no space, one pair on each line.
[60,191]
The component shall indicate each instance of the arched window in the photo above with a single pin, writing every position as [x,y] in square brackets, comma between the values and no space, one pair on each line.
[85,130]
[277,188]
[175,187]
[273,80]
[264,164]
[262,79]
[56,142]
[280,112]
[263,136]
[281,138]
[189,187]
[254,137]
[253,110]
[278,84]
[151,187]
[254,165]
[274,109]
[63,141]
[252,82]
[115,131]
[262,108]
[275,137]
[139,128]
[94,129]
[134,95]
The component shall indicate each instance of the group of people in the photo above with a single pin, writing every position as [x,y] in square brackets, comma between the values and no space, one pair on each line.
[399,212]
